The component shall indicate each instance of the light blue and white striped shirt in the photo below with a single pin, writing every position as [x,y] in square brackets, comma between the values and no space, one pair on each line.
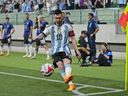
[59,37]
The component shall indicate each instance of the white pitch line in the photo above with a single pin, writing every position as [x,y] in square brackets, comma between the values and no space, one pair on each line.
[111,90]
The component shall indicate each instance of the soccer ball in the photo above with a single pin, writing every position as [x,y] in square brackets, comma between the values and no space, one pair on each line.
[47,70]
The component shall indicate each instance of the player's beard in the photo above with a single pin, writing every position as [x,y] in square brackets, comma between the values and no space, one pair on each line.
[59,23]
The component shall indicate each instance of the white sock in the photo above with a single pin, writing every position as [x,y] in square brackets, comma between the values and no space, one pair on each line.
[47,52]
[70,83]
[68,69]
[30,49]
[62,72]
[2,49]
[8,49]
[27,49]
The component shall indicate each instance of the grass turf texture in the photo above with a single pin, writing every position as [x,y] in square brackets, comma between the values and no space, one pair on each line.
[92,75]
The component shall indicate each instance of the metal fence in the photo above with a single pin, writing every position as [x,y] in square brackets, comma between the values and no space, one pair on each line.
[108,15]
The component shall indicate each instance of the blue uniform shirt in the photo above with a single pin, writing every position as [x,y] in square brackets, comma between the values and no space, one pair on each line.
[42,27]
[7,29]
[109,54]
[92,25]
[27,26]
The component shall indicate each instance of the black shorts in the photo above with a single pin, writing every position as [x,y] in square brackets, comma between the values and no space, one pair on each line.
[40,42]
[27,40]
[6,41]
[59,57]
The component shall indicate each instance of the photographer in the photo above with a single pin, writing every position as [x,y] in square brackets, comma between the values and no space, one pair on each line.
[105,56]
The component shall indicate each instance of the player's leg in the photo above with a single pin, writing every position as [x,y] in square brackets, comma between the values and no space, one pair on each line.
[2,48]
[36,49]
[43,43]
[30,47]
[26,47]
[30,50]
[9,46]
[68,73]
[47,52]
[58,62]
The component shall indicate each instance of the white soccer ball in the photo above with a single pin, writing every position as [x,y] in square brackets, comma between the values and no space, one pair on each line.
[47,69]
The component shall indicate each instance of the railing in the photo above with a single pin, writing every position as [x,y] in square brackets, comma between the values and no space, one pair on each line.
[108,15]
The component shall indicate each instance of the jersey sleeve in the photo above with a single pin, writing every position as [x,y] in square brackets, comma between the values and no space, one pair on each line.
[96,25]
[46,32]
[12,26]
[31,23]
[71,31]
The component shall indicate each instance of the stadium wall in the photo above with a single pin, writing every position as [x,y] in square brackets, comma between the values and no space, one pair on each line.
[107,33]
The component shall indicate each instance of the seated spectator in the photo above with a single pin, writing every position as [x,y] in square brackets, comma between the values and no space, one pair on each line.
[82,47]
[105,56]
[88,4]
[98,4]
[23,6]
[122,3]
[108,3]
[62,5]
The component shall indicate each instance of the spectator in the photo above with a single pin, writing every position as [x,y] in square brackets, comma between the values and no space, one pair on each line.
[77,3]
[3,9]
[67,4]
[108,3]
[10,7]
[98,4]
[23,6]
[81,4]
[82,47]
[62,5]
[105,57]
[88,4]
[28,6]
[93,2]
[92,29]
[16,6]
[122,3]
[40,4]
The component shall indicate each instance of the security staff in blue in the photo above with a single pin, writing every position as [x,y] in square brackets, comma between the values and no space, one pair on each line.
[92,29]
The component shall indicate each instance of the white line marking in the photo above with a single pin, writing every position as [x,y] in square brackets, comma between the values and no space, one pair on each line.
[111,90]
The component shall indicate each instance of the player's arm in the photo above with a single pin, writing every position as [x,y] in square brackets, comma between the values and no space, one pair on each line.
[74,43]
[31,29]
[12,31]
[44,34]
[96,29]
[108,56]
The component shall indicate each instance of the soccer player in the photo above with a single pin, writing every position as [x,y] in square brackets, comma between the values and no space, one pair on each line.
[60,35]
[6,33]
[42,42]
[28,28]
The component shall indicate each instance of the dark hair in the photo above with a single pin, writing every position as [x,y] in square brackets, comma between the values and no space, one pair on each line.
[105,44]
[84,32]
[91,14]
[57,11]
[26,13]
[7,18]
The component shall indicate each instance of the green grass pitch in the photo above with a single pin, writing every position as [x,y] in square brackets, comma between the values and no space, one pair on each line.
[13,85]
